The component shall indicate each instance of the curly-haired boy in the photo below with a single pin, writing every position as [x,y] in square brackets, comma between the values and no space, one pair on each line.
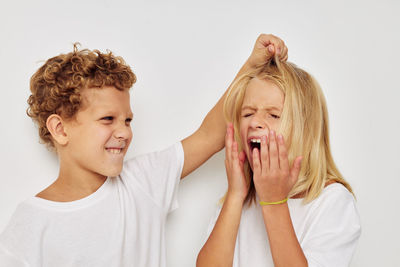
[102,211]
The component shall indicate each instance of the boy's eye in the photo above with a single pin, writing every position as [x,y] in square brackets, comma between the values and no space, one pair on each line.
[128,121]
[247,115]
[108,118]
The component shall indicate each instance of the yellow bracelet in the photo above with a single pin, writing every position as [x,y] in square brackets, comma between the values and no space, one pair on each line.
[263,203]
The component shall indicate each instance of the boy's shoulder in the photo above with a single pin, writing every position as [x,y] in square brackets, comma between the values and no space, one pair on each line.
[26,221]
[26,212]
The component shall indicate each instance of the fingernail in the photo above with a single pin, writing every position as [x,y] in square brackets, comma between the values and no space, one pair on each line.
[272,133]
[270,48]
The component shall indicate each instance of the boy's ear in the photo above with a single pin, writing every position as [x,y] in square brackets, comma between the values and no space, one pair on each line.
[55,125]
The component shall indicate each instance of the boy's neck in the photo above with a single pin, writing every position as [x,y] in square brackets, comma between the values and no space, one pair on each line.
[72,184]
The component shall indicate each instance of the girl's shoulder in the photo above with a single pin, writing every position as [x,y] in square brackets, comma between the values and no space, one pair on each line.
[333,192]
[334,201]
[336,191]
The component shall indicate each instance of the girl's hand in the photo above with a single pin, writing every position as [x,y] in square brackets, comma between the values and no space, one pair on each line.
[266,46]
[237,185]
[273,178]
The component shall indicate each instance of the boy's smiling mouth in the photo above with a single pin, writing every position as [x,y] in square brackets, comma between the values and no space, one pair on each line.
[114,150]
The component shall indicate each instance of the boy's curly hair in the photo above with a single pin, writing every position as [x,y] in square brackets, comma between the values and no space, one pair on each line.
[56,86]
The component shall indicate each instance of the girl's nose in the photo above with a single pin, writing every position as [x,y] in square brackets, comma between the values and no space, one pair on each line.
[258,123]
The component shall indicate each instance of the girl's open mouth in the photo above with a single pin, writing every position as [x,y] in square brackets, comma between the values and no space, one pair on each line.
[255,143]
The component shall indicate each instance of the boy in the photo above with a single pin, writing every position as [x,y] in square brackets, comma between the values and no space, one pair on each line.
[102,211]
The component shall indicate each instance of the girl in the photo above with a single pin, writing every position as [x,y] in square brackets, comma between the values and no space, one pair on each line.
[274,214]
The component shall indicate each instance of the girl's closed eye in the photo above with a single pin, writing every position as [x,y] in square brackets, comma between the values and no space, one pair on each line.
[247,115]
[274,116]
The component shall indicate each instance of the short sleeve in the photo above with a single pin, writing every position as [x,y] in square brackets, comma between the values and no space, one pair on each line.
[157,174]
[9,260]
[333,231]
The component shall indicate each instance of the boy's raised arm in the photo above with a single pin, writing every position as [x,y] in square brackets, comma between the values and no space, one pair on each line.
[209,138]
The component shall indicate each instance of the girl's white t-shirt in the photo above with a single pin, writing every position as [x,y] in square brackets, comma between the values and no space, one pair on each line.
[121,224]
[327,229]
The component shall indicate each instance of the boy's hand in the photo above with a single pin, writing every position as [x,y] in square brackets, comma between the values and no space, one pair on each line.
[237,185]
[266,46]
[273,178]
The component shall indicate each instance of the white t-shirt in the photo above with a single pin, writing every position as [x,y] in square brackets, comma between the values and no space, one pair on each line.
[121,224]
[327,229]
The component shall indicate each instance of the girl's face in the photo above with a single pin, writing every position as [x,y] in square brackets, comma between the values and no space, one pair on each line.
[261,110]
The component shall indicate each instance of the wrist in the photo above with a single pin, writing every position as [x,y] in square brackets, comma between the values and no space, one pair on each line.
[273,212]
[267,203]
[248,65]
[235,198]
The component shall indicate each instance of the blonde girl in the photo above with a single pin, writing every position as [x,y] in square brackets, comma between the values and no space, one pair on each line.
[287,203]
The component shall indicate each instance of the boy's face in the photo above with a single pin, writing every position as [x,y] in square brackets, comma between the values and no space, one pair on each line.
[261,110]
[99,136]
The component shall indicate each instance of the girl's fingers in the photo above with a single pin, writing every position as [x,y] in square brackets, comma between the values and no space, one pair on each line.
[235,156]
[256,162]
[228,141]
[242,158]
[283,156]
[264,154]
[294,172]
[273,152]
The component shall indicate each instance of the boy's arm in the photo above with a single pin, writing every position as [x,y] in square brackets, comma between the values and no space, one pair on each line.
[209,138]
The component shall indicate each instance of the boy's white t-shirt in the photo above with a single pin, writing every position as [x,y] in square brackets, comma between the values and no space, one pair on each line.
[121,224]
[327,229]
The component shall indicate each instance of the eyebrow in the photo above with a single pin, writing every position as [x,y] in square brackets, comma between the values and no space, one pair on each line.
[102,112]
[265,108]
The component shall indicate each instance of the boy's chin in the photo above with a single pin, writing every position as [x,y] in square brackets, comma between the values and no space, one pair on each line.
[112,172]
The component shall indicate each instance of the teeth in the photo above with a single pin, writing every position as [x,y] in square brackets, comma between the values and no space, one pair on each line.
[114,150]
[255,140]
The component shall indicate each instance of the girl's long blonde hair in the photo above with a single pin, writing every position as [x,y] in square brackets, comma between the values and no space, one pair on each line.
[304,124]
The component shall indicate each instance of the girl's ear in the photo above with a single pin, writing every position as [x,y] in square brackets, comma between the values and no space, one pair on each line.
[55,125]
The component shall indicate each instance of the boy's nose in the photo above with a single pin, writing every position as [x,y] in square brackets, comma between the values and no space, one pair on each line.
[123,131]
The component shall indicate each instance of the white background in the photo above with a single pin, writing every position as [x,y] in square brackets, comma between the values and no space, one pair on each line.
[185,54]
